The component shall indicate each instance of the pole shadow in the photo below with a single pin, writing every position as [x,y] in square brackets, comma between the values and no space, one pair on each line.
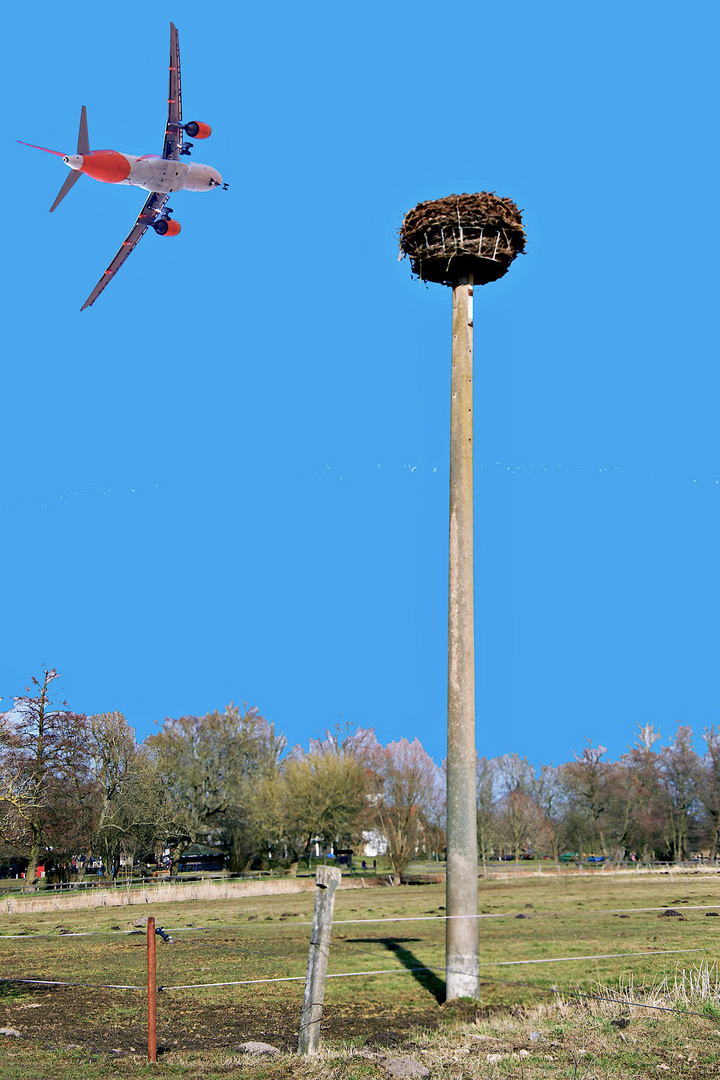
[423,976]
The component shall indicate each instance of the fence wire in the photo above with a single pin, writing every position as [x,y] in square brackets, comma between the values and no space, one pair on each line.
[570,994]
[288,938]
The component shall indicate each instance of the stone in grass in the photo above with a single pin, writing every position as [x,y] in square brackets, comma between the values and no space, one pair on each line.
[257,1048]
[10,1031]
[710,913]
[671,912]
[401,1067]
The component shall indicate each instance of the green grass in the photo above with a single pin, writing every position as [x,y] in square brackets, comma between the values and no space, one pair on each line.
[262,937]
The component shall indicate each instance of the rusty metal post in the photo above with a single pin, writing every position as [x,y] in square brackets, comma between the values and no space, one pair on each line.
[462,942]
[152,991]
[326,882]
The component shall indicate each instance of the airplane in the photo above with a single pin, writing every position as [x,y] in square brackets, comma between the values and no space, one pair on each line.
[160,175]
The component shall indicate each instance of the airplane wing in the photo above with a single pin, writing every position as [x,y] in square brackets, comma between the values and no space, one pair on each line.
[156,200]
[173,129]
[149,213]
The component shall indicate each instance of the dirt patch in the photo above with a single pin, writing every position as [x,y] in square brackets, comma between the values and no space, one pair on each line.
[422,879]
[103,1021]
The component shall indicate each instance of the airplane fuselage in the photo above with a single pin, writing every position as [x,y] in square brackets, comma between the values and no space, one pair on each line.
[150,171]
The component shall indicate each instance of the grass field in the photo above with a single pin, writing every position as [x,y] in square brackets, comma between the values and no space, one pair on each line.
[530,1023]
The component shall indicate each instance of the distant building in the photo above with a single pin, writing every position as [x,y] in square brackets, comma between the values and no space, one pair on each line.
[202,857]
[374,843]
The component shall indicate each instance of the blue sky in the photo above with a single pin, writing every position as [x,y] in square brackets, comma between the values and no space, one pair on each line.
[229,478]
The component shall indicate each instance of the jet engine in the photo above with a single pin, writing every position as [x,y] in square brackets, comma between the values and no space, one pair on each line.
[166,226]
[196,129]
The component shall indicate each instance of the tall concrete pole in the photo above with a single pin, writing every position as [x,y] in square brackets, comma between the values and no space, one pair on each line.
[478,234]
[462,941]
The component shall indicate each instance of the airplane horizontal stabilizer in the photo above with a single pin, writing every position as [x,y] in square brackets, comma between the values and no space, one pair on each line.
[72,179]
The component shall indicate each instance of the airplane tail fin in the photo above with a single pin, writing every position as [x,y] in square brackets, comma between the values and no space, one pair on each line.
[83,145]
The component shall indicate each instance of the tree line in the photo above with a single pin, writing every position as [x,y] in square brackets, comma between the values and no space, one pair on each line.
[75,785]
[653,803]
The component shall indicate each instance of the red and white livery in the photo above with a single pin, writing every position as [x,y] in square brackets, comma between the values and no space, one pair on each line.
[160,174]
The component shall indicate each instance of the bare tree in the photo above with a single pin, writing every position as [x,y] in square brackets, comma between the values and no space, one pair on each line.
[549,796]
[132,808]
[41,745]
[516,773]
[485,791]
[521,824]
[408,799]
[520,821]
[646,809]
[709,786]
[585,789]
[679,773]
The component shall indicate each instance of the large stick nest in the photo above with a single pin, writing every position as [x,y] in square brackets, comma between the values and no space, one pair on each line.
[449,238]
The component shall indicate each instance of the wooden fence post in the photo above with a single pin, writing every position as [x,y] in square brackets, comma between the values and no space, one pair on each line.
[326,882]
[152,989]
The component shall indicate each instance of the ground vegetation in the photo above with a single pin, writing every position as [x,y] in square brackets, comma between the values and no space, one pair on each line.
[636,1009]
